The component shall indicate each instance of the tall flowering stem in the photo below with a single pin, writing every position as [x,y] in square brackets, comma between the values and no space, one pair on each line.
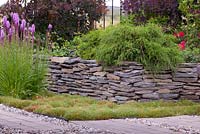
[16,19]
[17,29]
[48,36]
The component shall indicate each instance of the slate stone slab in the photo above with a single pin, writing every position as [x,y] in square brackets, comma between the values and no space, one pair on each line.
[113,77]
[152,96]
[185,75]
[186,80]
[169,96]
[144,84]
[121,98]
[130,74]
[72,61]
[130,80]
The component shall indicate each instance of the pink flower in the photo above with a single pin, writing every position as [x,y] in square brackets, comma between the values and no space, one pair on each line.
[181,34]
[182,45]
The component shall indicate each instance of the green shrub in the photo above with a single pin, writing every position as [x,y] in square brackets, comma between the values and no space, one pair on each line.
[192,55]
[22,70]
[144,44]
[88,43]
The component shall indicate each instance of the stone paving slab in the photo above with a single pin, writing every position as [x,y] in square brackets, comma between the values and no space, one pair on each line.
[121,126]
[14,120]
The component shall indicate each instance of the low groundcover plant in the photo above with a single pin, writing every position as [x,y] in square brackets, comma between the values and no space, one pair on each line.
[22,65]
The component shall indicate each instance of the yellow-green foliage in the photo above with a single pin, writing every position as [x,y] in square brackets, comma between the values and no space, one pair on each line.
[144,44]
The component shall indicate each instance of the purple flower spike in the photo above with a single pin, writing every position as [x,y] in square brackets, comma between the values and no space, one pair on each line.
[7,25]
[5,20]
[10,33]
[2,35]
[23,25]
[30,29]
[33,28]
[50,27]
[15,18]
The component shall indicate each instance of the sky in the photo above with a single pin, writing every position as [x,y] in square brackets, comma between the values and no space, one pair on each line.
[109,2]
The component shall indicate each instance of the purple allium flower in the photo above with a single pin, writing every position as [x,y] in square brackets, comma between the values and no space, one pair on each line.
[4,20]
[15,18]
[23,25]
[50,27]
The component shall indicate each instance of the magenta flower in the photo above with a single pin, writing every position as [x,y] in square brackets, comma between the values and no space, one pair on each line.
[50,27]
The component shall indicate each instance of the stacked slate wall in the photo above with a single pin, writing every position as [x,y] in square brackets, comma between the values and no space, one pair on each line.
[129,81]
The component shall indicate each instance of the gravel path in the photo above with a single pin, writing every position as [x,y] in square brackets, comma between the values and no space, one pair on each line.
[16,121]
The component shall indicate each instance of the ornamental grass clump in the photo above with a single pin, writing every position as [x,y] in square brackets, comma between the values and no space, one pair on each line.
[23,66]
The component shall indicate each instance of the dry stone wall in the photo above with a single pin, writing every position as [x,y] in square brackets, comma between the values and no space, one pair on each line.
[129,81]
